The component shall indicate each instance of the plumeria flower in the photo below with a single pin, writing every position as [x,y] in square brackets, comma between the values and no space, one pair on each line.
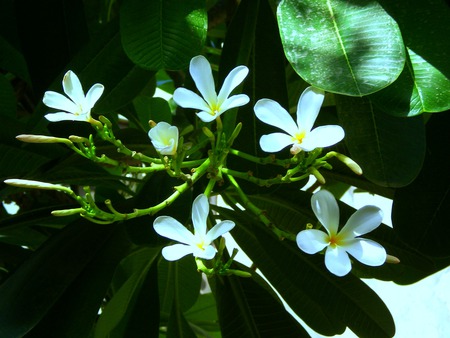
[339,244]
[164,138]
[197,243]
[299,135]
[78,106]
[211,105]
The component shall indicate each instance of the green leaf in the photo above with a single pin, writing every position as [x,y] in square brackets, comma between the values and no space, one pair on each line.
[325,302]
[426,86]
[345,47]
[163,34]
[12,60]
[130,282]
[248,310]
[390,150]
[178,327]
[420,210]
[73,316]
[152,108]
[203,315]
[178,281]
[27,295]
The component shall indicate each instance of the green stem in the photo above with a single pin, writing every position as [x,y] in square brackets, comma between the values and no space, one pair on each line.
[262,160]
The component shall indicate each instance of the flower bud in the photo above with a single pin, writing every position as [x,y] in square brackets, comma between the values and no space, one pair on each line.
[350,163]
[67,212]
[42,139]
[36,185]
[78,139]
[392,259]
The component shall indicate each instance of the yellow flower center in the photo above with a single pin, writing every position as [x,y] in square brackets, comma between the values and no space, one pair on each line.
[214,109]
[298,138]
[334,240]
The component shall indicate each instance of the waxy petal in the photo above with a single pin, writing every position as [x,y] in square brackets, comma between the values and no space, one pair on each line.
[206,117]
[337,261]
[58,101]
[218,230]
[169,227]
[362,221]
[176,251]
[62,116]
[164,138]
[94,94]
[274,142]
[234,101]
[312,241]
[72,87]
[200,211]
[188,99]
[272,113]
[326,209]
[201,73]
[233,79]
[324,136]
[308,108]
[206,253]
[366,251]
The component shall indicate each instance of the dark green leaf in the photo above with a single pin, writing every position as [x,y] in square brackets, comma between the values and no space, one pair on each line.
[178,327]
[34,288]
[390,150]
[345,47]
[163,34]
[420,209]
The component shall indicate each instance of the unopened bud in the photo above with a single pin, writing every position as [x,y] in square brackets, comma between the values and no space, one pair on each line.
[42,139]
[350,163]
[392,259]
[152,123]
[239,273]
[235,133]
[78,139]
[67,212]
[105,121]
[36,185]
[208,133]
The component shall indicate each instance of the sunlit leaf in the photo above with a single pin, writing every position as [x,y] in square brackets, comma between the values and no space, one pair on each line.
[346,47]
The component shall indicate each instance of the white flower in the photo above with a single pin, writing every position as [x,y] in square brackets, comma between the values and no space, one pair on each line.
[211,105]
[197,243]
[78,108]
[300,135]
[339,244]
[164,138]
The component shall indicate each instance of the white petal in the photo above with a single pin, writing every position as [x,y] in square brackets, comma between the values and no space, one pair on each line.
[366,251]
[233,79]
[59,101]
[326,209]
[337,261]
[233,102]
[94,94]
[201,73]
[206,117]
[164,148]
[274,142]
[188,99]
[272,113]
[61,116]
[200,211]
[324,136]
[169,227]
[176,251]
[72,87]
[362,221]
[312,241]
[218,230]
[308,107]
[208,253]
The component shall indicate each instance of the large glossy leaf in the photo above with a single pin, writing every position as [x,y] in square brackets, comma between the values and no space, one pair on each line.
[35,287]
[73,316]
[130,281]
[389,149]
[425,84]
[248,310]
[178,327]
[348,47]
[163,34]
[325,302]
[12,60]
[420,210]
